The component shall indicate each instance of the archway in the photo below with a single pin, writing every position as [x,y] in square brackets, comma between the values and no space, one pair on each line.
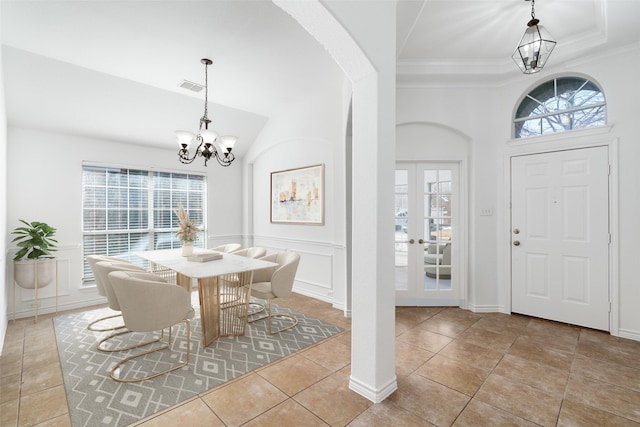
[366,53]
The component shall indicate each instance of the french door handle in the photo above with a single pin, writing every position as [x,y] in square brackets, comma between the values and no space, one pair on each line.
[421,241]
[412,241]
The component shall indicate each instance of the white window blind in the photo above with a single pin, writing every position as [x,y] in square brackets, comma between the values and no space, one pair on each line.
[129,210]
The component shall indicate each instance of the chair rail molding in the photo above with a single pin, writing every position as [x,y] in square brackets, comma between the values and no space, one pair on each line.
[324,244]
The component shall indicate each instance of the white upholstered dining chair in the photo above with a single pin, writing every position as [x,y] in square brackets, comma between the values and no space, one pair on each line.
[228,248]
[102,270]
[147,305]
[275,282]
[93,260]
[253,252]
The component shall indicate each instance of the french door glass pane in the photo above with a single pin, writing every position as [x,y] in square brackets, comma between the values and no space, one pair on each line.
[401,230]
[437,204]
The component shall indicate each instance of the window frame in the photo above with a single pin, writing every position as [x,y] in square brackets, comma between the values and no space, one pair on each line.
[529,100]
[180,189]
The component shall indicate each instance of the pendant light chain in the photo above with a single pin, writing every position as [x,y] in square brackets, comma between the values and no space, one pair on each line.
[533,10]
[205,118]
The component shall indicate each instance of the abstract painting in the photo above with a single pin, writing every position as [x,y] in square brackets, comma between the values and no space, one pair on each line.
[297,195]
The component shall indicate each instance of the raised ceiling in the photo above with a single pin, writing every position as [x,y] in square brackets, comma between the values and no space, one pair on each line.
[111,69]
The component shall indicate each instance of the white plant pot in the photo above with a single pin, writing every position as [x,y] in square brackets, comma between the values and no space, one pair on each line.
[187,249]
[25,272]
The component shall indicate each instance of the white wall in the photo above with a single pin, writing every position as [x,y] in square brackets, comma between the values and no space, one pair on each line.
[616,73]
[484,113]
[306,134]
[429,142]
[3,212]
[45,184]
[467,112]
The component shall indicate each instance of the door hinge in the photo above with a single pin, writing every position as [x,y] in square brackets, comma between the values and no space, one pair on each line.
[609,238]
[610,306]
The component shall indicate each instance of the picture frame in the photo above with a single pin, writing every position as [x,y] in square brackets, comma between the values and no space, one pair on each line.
[297,195]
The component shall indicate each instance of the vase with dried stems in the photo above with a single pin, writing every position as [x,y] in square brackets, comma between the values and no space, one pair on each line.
[188,231]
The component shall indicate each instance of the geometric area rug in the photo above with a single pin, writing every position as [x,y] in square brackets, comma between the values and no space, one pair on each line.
[95,399]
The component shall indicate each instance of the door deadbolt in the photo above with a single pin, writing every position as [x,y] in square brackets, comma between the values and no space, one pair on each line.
[412,241]
[516,231]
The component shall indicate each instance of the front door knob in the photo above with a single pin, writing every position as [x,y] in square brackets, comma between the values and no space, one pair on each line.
[421,241]
[516,243]
[412,241]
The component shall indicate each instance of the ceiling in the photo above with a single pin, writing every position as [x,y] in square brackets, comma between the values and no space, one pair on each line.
[453,40]
[111,69]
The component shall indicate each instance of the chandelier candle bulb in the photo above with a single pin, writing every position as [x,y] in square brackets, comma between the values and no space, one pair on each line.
[227,142]
[184,138]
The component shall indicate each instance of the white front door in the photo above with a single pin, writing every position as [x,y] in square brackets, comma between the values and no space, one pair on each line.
[560,236]
[426,204]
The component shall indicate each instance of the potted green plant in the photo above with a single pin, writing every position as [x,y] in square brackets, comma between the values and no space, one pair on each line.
[36,244]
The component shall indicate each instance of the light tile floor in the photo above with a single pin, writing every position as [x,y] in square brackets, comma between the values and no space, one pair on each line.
[454,367]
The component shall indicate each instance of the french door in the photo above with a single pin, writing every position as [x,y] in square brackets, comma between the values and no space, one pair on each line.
[426,199]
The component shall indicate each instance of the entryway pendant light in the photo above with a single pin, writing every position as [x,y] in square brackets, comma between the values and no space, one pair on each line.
[205,138]
[535,46]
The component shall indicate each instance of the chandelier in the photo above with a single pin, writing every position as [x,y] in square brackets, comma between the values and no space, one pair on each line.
[535,46]
[205,138]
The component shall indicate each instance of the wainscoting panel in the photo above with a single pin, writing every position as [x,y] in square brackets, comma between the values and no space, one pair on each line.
[25,299]
[315,272]
[71,293]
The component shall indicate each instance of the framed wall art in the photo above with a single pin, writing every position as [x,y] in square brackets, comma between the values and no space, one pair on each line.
[297,195]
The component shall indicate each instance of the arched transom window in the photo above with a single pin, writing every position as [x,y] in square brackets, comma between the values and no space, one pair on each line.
[559,105]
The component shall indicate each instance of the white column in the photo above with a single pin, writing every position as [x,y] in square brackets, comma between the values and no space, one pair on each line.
[373,293]
[361,38]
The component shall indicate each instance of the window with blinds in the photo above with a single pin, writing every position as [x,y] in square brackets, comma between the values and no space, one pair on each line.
[129,210]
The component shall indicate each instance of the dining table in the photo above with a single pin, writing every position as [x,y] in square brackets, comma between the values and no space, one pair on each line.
[224,286]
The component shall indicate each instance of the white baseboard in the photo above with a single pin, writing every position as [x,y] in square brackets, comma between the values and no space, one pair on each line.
[487,309]
[422,302]
[632,335]
[347,313]
[312,294]
[376,396]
